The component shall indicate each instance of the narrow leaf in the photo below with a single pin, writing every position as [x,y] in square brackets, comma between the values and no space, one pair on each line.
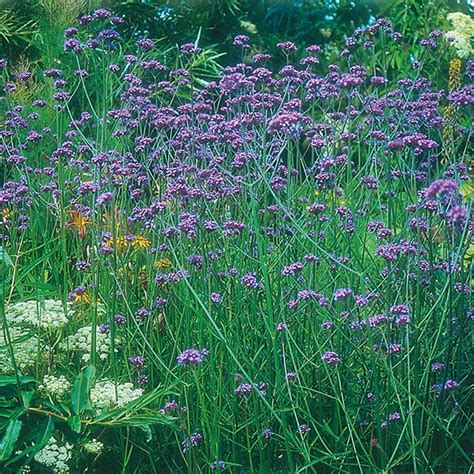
[6,380]
[9,439]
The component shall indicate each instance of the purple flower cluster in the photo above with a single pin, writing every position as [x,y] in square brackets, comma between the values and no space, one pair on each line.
[246,389]
[270,215]
[191,357]
[191,442]
[332,358]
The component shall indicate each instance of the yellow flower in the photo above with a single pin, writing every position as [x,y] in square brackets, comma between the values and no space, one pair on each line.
[454,74]
[79,221]
[140,242]
[6,213]
[342,201]
[120,242]
[163,263]
[83,297]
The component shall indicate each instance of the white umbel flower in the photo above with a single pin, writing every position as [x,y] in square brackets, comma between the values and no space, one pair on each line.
[103,395]
[82,342]
[25,350]
[55,456]
[93,447]
[57,387]
[460,36]
[461,22]
[47,314]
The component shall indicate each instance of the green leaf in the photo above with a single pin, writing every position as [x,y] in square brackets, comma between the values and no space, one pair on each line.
[81,389]
[44,434]
[27,396]
[13,415]
[6,380]
[9,439]
[60,408]
[139,421]
[5,258]
[147,430]
[74,423]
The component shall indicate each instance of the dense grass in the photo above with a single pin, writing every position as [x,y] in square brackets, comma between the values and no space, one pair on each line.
[306,232]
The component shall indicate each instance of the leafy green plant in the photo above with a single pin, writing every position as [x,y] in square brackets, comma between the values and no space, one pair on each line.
[29,419]
[15,31]
[263,267]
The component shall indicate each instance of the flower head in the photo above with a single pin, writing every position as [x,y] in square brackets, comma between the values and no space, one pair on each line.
[191,357]
[332,358]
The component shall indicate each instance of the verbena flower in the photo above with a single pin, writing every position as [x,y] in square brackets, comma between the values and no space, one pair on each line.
[332,358]
[191,442]
[191,357]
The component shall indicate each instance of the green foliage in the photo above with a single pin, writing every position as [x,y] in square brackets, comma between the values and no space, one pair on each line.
[5,258]
[240,334]
[35,28]
[28,422]
[14,30]
[80,395]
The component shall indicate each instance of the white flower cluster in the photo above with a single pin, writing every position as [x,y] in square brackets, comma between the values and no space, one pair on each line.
[461,34]
[55,456]
[103,395]
[56,387]
[47,314]
[82,342]
[93,447]
[25,351]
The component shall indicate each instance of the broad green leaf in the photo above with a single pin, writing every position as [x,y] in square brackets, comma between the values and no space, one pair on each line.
[9,439]
[27,396]
[81,390]
[74,423]
[25,271]
[44,434]
[5,258]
